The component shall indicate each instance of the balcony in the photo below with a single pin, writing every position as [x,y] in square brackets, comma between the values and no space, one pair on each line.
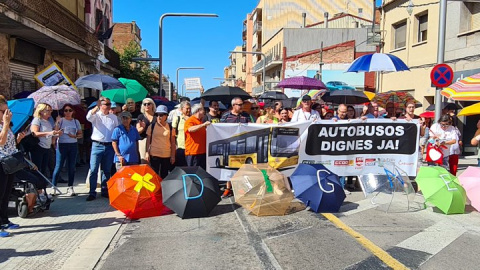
[244,35]
[258,90]
[244,68]
[257,27]
[49,25]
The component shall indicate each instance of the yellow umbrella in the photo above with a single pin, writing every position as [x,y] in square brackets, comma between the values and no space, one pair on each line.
[369,94]
[470,110]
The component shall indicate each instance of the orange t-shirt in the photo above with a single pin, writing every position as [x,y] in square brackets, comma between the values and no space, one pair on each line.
[195,142]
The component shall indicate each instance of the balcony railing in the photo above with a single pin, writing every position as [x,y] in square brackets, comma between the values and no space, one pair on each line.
[53,16]
[257,27]
[258,90]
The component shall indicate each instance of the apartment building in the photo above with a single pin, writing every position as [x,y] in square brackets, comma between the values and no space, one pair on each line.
[410,31]
[72,33]
[263,26]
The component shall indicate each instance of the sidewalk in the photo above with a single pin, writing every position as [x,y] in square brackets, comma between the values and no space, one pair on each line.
[73,234]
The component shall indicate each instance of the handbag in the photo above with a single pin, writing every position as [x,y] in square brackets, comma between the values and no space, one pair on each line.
[13,163]
[434,154]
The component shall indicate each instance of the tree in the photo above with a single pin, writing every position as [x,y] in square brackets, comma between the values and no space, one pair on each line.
[142,71]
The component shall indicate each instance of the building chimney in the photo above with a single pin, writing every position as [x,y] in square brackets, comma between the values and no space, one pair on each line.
[304,16]
[326,19]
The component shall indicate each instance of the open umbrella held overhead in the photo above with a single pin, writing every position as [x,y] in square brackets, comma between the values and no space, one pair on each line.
[377,62]
[133,89]
[99,82]
[225,94]
[56,96]
[302,82]
[21,110]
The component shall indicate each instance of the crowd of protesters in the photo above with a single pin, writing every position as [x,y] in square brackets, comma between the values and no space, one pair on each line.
[110,136]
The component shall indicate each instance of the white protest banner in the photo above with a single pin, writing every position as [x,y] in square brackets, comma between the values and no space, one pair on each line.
[192,83]
[351,148]
[231,145]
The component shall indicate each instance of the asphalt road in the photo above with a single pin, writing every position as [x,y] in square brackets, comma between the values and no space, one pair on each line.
[361,236]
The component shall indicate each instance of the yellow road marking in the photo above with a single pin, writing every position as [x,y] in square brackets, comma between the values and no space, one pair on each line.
[374,249]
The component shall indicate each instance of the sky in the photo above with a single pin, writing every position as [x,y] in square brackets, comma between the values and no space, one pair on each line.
[189,42]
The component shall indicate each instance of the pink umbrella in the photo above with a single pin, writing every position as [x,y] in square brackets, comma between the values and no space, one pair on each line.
[470,180]
[302,82]
[56,96]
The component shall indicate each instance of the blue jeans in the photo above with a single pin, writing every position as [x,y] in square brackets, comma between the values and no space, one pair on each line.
[102,155]
[65,152]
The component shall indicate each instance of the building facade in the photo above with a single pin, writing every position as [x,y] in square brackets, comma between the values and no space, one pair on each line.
[35,34]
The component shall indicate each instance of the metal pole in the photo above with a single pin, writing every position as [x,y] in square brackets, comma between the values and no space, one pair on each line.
[440,54]
[160,44]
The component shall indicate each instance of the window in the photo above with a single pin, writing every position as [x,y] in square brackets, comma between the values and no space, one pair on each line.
[400,36]
[422,27]
[474,9]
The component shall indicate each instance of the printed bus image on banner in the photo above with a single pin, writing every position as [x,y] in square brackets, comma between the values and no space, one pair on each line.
[351,148]
[229,146]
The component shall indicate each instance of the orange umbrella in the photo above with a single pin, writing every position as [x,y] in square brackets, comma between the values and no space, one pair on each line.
[136,191]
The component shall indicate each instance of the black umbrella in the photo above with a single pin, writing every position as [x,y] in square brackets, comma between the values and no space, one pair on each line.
[225,94]
[276,95]
[345,97]
[445,105]
[99,81]
[290,102]
[190,192]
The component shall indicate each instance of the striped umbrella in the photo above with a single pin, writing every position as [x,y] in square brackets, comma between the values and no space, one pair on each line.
[467,89]
[399,98]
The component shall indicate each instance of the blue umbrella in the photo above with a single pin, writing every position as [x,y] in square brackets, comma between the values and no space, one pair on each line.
[21,110]
[377,62]
[318,188]
[99,81]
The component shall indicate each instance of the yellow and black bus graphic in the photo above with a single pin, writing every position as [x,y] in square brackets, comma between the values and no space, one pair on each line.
[277,146]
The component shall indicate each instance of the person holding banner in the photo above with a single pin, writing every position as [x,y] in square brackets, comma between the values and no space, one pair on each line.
[305,113]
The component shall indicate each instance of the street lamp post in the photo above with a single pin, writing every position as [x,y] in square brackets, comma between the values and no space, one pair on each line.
[181,68]
[264,63]
[160,45]
[440,54]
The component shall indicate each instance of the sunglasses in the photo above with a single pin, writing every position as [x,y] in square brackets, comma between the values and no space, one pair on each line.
[68,110]
[107,104]
[241,104]
[444,125]
[255,108]
[146,104]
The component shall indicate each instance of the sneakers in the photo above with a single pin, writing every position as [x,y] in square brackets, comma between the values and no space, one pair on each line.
[90,198]
[10,226]
[71,192]
[4,233]
[227,193]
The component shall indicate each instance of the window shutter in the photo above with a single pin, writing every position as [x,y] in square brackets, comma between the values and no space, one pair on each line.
[400,35]
[475,19]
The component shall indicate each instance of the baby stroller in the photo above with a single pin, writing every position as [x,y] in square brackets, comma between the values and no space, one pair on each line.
[25,196]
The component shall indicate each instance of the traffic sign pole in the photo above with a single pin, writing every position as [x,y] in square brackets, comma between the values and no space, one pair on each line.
[440,53]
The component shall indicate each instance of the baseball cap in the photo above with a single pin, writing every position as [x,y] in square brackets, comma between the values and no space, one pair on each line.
[114,104]
[125,114]
[306,98]
[162,109]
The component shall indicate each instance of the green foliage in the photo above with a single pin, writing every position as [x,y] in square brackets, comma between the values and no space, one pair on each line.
[142,71]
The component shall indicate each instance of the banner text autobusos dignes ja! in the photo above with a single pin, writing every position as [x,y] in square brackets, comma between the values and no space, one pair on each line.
[361,138]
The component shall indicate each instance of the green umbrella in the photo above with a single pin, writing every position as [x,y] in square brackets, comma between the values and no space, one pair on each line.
[134,90]
[442,189]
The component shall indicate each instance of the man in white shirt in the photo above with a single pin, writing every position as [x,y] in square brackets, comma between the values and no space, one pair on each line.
[103,124]
[305,113]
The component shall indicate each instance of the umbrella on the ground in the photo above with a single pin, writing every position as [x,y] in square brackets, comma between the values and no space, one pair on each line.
[377,62]
[442,189]
[22,94]
[133,90]
[275,95]
[445,105]
[302,82]
[262,190]
[470,180]
[318,188]
[399,98]
[465,89]
[56,96]
[428,114]
[225,94]
[470,110]
[190,192]
[99,81]
[136,191]
[345,97]
[21,110]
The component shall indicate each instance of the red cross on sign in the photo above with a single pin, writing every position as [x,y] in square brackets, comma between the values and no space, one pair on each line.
[441,75]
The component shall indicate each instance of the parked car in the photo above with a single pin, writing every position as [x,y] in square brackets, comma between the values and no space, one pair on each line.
[337,85]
